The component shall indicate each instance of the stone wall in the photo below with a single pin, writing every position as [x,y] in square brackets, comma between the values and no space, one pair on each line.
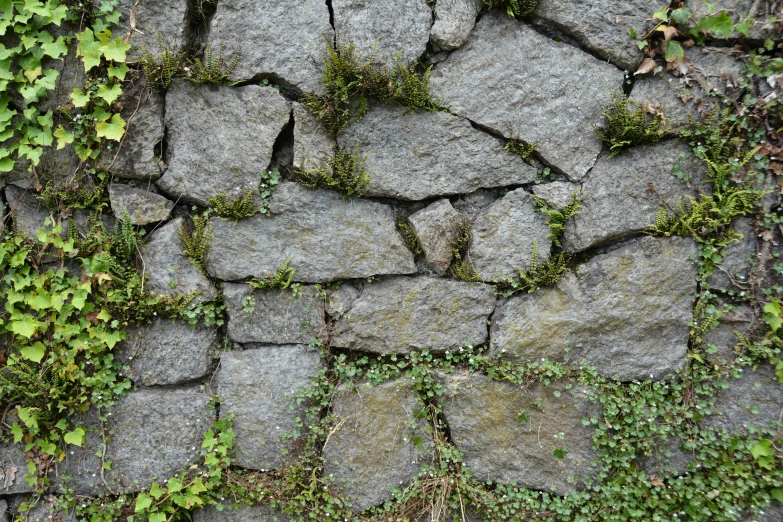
[625,306]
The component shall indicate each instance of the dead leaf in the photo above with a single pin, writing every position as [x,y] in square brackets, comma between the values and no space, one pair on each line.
[688,43]
[766,235]
[656,481]
[10,475]
[645,67]
[668,31]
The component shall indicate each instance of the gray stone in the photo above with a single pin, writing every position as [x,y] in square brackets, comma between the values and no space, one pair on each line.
[511,79]
[277,316]
[509,433]
[143,207]
[259,387]
[271,39]
[504,235]
[13,469]
[384,29]
[244,513]
[167,352]
[557,194]
[339,301]
[165,19]
[724,336]
[55,166]
[168,269]
[454,19]
[618,200]
[733,271]
[626,312]
[420,154]
[667,459]
[402,314]
[739,10]
[313,148]
[155,433]
[681,99]
[325,237]
[601,26]
[754,400]
[371,449]
[219,138]
[138,155]
[437,227]
[3,510]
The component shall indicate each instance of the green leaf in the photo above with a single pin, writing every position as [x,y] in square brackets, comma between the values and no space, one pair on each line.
[560,453]
[118,72]
[33,353]
[143,502]
[17,432]
[744,26]
[772,316]
[155,491]
[723,25]
[55,49]
[762,449]
[113,49]
[80,98]
[674,50]
[681,15]
[157,517]
[776,494]
[174,485]
[25,327]
[522,418]
[75,437]
[63,137]
[662,14]
[641,45]
[109,93]
[113,130]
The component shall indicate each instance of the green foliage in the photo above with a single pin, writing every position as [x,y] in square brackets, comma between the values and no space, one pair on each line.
[626,127]
[266,187]
[539,275]
[196,238]
[515,8]
[213,69]
[347,174]
[75,196]
[461,267]
[282,279]
[520,148]
[234,208]
[409,236]
[556,219]
[349,81]
[161,69]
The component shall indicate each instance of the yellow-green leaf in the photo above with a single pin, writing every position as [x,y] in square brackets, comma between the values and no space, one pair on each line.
[75,437]
[33,353]
[25,327]
[63,137]
[112,130]
[80,98]
[109,93]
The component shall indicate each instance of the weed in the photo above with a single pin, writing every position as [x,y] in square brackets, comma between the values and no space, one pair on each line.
[234,208]
[537,276]
[89,197]
[626,127]
[213,69]
[266,187]
[461,268]
[556,219]
[520,148]
[282,279]
[161,69]
[515,8]
[348,174]
[409,236]
[196,239]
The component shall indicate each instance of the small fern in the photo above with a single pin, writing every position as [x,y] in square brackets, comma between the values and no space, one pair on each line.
[409,236]
[348,175]
[461,267]
[125,240]
[556,219]
[282,279]
[516,8]
[161,69]
[520,148]
[625,128]
[234,208]
[539,275]
[213,69]
[196,239]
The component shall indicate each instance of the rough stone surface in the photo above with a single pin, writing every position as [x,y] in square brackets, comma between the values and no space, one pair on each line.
[313,148]
[733,271]
[724,337]
[272,40]
[138,157]
[326,238]
[155,433]
[168,269]
[220,138]
[504,234]
[167,352]
[258,386]
[371,449]
[755,391]
[710,68]
[557,194]
[384,29]
[625,312]
[402,314]
[277,316]
[483,417]
[166,18]
[533,88]
[601,26]
[437,227]
[143,207]
[339,301]
[13,469]
[420,154]
[243,514]
[617,200]
[666,459]
[454,19]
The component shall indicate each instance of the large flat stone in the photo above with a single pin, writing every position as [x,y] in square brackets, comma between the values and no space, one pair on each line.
[504,234]
[420,154]
[325,237]
[258,386]
[402,314]
[507,433]
[166,18]
[154,433]
[454,19]
[168,269]
[734,269]
[371,449]
[511,79]
[245,513]
[273,316]
[143,207]
[167,352]
[384,29]
[313,147]
[755,400]
[724,339]
[601,26]
[437,227]
[622,195]
[274,38]
[219,138]
[625,312]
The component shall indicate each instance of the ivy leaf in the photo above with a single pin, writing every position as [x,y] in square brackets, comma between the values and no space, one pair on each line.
[744,26]
[777,494]
[662,14]
[113,49]
[25,327]
[33,353]
[560,453]
[118,72]
[762,449]
[681,15]
[723,25]
[75,437]
[113,130]
[63,137]
[80,98]
[773,312]
[157,517]
[56,48]
[109,93]
[88,49]
[143,502]
[674,50]
[17,432]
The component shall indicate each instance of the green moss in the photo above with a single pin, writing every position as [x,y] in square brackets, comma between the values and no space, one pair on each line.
[516,8]
[461,267]
[409,236]
[520,148]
